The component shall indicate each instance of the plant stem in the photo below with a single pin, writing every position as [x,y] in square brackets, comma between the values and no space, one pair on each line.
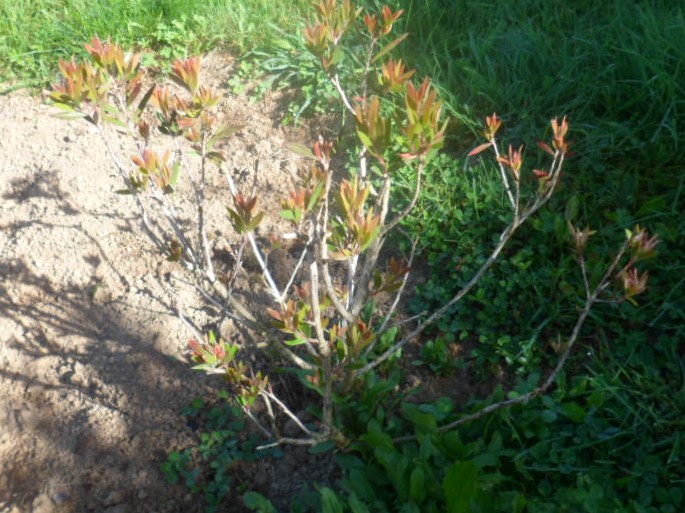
[371,255]
[504,238]
[335,79]
[287,411]
[122,172]
[503,174]
[275,293]
[300,261]
[555,173]
[324,347]
[170,216]
[202,235]
[322,250]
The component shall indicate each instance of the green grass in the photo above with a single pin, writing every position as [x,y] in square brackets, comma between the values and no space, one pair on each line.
[34,35]
[248,24]
[617,70]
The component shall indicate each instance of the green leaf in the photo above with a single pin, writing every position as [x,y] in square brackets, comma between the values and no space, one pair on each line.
[395,465]
[356,505]
[370,237]
[236,220]
[322,447]
[144,100]
[257,502]
[64,105]
[226,130]
[175,174]
[444,406]
[255,222]
[486,459]
[453,445]
[574,411]
[114,121]
[315,196]
[549,416]
[519,502]
[301,150]
[423,422]
[460,486]
[389,47]
[296,341]
[571,210]
[217,157]
[287,214]
[358,483]
[365,139]
[329,501]
[388,336]
[417,485]
[376,438]
[71,115]
[337,56]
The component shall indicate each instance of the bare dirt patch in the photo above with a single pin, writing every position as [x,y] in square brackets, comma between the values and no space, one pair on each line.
[93,375]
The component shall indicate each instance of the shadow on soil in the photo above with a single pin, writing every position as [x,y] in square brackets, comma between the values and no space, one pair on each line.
[95,403]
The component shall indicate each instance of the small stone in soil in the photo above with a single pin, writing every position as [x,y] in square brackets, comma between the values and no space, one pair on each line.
[60,498]
[114,497]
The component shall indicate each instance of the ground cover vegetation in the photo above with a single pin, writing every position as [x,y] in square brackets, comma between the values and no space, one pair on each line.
[35,35]
[608,437]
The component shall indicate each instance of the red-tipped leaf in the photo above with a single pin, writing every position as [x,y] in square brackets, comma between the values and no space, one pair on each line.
[480,148]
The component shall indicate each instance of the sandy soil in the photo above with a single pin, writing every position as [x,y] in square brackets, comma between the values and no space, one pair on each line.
[93,374]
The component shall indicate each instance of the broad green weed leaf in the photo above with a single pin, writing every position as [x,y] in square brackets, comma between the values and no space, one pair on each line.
[329,501]
[376,438]
[460,486]
[417,485]
[395,465]
[356,505]
[365,139]
[257,502]
[574,411]
[359,484]
[423,422]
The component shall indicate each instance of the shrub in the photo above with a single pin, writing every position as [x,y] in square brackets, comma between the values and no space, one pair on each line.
[334,323]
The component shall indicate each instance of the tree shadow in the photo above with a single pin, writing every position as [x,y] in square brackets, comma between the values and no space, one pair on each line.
[43,184]
[93,391]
